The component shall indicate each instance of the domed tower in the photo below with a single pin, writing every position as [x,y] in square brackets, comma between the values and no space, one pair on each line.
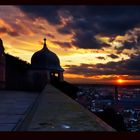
[2,65]
[45,66]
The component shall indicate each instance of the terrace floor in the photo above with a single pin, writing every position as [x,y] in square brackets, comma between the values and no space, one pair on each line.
[51,110]
[14,106]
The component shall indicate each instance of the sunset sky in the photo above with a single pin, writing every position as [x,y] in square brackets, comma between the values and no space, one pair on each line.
[95,44]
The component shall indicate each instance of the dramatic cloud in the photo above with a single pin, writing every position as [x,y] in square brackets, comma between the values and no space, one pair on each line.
[13,28]
[126,67]
[15,22]
[131,40]
[50,35]
[62,44]
[86,40]
[100,57]
[87,21]
[129,67]
[4,30]
[113,56]
[49,12]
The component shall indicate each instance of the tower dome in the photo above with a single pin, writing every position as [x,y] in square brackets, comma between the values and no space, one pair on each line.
[45,59]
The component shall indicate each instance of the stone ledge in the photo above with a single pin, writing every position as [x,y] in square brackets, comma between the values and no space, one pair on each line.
[58,112]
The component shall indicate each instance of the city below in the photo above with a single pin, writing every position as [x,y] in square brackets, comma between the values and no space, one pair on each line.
[119,106]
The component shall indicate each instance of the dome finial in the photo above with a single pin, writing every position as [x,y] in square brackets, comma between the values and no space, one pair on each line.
[45,46]
[45,40]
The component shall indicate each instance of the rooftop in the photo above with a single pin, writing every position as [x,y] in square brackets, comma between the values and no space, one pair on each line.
[58,112]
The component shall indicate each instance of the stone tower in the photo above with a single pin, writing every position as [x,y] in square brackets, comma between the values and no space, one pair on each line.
[2,66]
[45,67]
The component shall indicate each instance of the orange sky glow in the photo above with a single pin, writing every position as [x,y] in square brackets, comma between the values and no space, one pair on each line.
[23,36]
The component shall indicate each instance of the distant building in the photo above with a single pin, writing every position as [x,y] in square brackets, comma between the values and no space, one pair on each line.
[2,66]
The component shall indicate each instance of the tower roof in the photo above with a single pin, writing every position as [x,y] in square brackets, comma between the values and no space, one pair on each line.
[45,59]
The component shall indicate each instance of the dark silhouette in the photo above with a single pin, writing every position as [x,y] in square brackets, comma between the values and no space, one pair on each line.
[16,70]
[113,119]
[65,87]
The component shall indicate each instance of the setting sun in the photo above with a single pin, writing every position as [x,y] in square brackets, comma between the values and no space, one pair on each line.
[120,81]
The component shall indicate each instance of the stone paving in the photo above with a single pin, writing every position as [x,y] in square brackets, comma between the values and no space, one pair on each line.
[13,108]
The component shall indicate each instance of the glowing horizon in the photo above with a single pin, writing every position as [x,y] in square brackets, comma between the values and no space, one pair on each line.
[90,52]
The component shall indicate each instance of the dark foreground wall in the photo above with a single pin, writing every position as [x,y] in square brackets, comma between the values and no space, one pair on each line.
[15,72]
[113,119]
[66,87]
[16,75]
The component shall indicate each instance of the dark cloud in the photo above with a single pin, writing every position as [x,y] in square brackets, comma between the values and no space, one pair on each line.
[115,19]
[108,20]
[86,40]
[126,67]
[11,33]
[83,69]
[62,44]
[100,57]
[64,30]
[133,64]
[3,30]
[138,39]
[129,45]
[50,35]
[113,56]
[49,12]
[87,21]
